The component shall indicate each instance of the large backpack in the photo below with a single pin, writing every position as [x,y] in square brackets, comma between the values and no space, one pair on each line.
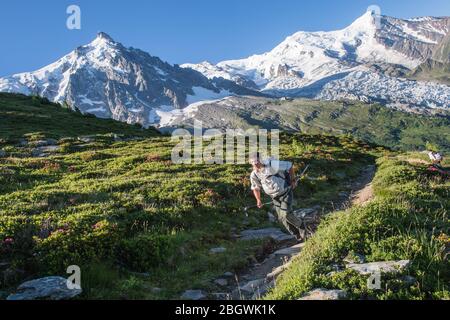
[283,175]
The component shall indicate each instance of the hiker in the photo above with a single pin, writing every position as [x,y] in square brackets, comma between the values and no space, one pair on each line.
[277,179]
[436,158]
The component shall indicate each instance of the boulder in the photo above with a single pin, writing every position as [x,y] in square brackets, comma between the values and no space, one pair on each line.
[325,294]
[2,153]
[382,266]
[48,288]
[193,295]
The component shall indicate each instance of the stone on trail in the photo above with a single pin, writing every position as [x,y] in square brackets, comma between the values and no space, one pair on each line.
[49,288]
[290,251]
[382,266]
[325,294]
[274,233]
[252,286]
[193,295]
[278,270]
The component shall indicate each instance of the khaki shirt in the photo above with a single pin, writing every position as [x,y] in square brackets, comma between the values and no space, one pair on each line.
[270,177]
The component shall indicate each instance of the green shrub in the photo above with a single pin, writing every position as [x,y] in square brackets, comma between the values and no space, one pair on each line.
[144,251]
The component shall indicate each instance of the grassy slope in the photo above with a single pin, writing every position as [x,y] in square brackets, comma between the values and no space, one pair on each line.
[115,208]
[21,115]
[373,123]
[407,220]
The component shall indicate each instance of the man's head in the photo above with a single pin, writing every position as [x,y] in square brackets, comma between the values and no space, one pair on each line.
[255,160]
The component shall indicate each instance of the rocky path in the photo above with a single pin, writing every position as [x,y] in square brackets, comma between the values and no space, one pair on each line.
[261,277]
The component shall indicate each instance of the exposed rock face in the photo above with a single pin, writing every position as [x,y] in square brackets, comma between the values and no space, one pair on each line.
[49,288]
[415,38]
[441,52]
[324,294]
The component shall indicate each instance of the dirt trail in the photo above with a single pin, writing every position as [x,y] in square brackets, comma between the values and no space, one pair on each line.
[364,187]
[261,276]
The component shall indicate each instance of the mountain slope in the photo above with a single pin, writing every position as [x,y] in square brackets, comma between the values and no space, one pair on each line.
[313,59]
[110,81]
[436,68]
[373,123]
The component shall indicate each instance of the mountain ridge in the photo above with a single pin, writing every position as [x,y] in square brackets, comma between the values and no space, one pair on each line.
[108,80]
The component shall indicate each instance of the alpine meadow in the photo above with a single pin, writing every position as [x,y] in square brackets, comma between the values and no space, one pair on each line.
[349,202]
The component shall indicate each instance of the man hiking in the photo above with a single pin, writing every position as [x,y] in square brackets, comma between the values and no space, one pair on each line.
[276,178]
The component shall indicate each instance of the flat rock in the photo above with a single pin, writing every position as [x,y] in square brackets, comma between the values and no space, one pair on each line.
[278,270]
[42,151]
[193,295]
[290,251]
[325,294]
[274,233]
[86,139]
[252,286]
[50,288]
[382,266]
[218,250]
[46,142]
[221,282]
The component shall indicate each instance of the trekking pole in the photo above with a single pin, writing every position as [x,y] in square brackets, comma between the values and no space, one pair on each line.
[302,174]
[251,207]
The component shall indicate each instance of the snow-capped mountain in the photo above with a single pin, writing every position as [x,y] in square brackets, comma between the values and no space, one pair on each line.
[321,64]
[110,81]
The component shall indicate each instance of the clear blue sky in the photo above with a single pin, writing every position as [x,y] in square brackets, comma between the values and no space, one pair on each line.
[34,34]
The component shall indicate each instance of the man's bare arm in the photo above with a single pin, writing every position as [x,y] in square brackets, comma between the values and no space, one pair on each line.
[257,194]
